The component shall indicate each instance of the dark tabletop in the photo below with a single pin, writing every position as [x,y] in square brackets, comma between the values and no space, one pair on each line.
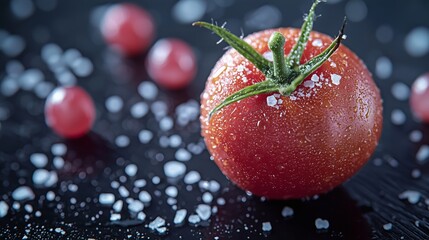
[387,199]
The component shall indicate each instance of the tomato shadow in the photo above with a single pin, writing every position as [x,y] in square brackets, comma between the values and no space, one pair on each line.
[247,214]
[87,156]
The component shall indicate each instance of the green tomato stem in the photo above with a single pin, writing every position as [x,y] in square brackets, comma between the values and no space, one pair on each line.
[276,45]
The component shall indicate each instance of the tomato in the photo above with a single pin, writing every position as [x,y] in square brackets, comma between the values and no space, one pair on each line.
[128,28]
[297,144]
[171,63]
[69,111]
[419,99]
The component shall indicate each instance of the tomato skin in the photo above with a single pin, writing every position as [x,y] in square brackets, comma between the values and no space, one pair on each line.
[300,147]
[69,111]
[128,28]
[171,63]
[419,98]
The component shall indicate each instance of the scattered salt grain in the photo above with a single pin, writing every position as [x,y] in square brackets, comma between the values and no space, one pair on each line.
[145,136]
[157,223]
[70,56]
[335,78]
[188,11]
[171,191]
[115,217]
[221,201]
[203,211]
[52,180]
[58,149]
[321,223]
[39,160]
[145,197]
[287,212]
[131,170]
[23,193]
[416,173]
[135,206]
[180,216]
[139,110]
[416,136]
[214,186]
[194,219]
[4,208]
[122,141]
[9,86]
[400,91]
[398,117]
[383,67]
[140,183]
[106,198]
[159,109]
[315,78]
[356,10]
[417,42]
[387,226]
[309,84]
[58,162]
[166,124]
[40,176]
[22,8]
[182,155]
[117,206]
[271,101]
[114,104]
[422,155]
[192,177]
[123,191]
[317,43]
[413,197]
[156,180]
[175,141]
[266,226]
[207,197]
[12,45]
[82,67]
[50,196]
[147,90]
[141,216]
[174,169]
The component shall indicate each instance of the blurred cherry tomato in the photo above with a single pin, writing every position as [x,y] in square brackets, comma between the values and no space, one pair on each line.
[69,111]
[128,28]
[419,99]
[171,63]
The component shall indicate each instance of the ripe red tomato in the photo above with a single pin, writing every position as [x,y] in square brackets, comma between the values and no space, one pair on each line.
[127,28]
[419,99]
[292,146]
[69,111]
[171,63]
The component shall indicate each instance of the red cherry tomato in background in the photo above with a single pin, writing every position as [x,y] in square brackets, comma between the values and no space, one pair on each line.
[127,28]
[292,146]
[419,99]
[171,63]
[69,111]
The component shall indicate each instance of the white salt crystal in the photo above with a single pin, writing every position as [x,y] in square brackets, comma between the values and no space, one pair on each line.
[145,197]
[39,160]
[122,141]
[266,226]
[171,191]
[207,197]
[147,90]
[182,155]
[192,177]
[398,117]
[106,198]
[117,206]
[412,196]
[180,216]
[317,43]
[174,169]
[400,91]
[175,141]
[422,155]
[140,183]
[40,176]
[23,193]
[131,170]
[166,124]
[157,223]
[145,136]
[141,216]
[287,212]
[58,162]
[52,180]
[114,104]
[4,208]
[271,101]
[321,224]
[135,206]
[123,191]
[58,149]
[194,219]
[203,211]
[387,226]
[115,217]
[335,78]
[139,110]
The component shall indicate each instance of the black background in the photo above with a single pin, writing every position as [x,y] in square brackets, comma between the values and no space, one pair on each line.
[356,210]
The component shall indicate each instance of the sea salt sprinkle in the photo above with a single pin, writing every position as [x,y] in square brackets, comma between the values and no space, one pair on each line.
[266,226]
[412,196]
[321,224]
[180,216]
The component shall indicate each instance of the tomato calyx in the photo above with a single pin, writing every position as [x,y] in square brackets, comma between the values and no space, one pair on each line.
[283,74]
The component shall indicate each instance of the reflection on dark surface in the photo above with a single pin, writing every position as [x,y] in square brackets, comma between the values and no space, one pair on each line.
[241,215]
